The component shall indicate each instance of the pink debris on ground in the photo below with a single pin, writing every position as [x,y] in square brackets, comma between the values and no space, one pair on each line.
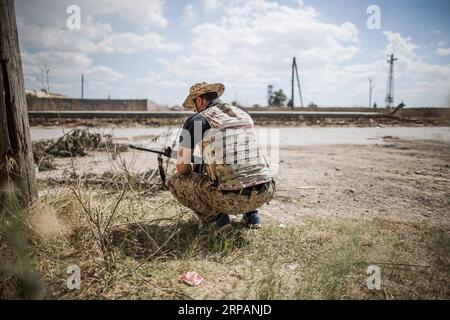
[192,278]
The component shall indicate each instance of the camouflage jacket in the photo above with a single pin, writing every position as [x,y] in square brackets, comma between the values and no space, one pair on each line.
[231,152]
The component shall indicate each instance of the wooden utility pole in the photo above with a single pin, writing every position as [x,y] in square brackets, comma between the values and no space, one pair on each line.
[47,70]
[16,154]
[371,87]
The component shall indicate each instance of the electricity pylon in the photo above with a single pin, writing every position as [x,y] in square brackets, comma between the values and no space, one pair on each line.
[390,85]
[295,69]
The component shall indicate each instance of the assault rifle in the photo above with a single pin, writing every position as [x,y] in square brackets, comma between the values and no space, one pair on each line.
[167,152]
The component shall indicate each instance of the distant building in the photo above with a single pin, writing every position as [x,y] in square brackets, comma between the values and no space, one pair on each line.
[153,106]
[43,93]
[42,100]
[176,108]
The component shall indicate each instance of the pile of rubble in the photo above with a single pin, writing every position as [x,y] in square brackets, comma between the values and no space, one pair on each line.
[75,143]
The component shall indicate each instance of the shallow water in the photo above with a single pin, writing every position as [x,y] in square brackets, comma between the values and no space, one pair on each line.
[302,136]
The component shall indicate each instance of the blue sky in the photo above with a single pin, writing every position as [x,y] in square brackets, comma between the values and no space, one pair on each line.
[156,49]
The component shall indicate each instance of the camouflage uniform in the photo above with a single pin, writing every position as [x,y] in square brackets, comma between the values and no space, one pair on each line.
[196,191]
[232,163]
[230,149]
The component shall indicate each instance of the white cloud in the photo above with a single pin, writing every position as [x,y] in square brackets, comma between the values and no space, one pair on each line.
[131,42]
[146,13]
[62,39]
[267,35]
[42,30]
[103,73]
[61,64]
[189,15]
[443,51]
[418,82]
[211,5]
[249,57]
[399,45]
[93,37]
[158,80]
[143,13]
[65,69]
[252,45]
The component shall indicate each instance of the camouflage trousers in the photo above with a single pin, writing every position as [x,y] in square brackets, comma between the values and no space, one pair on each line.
[196,192]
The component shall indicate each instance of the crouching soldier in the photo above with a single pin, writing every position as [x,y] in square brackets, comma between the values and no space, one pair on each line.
[234,177]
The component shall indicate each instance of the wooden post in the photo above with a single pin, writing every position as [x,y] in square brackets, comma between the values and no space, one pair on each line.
[16,154]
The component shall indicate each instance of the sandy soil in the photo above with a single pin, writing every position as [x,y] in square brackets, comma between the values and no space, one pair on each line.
[399,180]
[338,210]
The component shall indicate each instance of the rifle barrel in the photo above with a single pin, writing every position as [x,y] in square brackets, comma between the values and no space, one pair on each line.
[145,149]
[173,155]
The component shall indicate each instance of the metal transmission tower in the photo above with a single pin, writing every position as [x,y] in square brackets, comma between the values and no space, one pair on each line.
[295,69]
[390,85]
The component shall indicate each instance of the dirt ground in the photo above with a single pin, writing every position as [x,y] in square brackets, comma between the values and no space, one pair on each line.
[338,209]
[401,180]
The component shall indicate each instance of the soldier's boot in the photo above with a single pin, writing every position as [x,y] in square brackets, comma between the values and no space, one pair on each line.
[251,220]
[222,224]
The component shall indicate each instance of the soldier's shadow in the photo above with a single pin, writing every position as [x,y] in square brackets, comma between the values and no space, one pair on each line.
[176,240]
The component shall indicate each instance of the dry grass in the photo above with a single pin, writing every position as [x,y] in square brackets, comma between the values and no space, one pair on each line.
[155,241]
[17,275]
[134,243]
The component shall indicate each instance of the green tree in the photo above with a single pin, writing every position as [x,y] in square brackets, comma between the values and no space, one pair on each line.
[278,98]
